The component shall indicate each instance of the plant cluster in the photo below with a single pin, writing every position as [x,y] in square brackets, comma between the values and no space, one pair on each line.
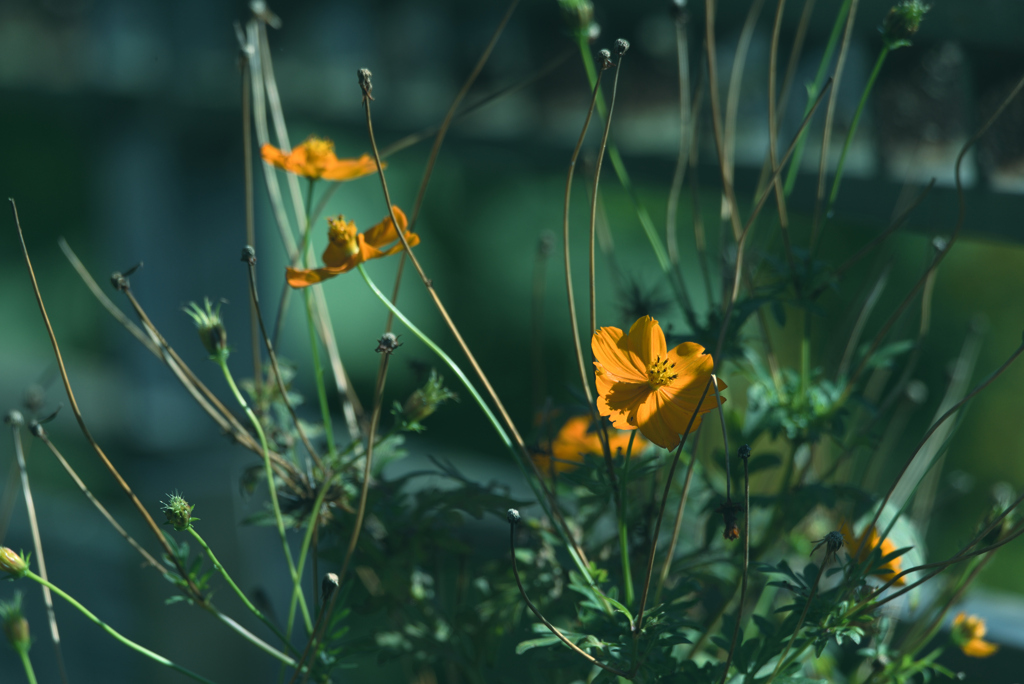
[701,513]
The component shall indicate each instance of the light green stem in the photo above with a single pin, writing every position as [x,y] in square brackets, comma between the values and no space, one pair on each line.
[29,672]
[812,92]
[627,572]
[241,594]
[114,633]
[296,579]
[306,542]
[853,125]
[541,498]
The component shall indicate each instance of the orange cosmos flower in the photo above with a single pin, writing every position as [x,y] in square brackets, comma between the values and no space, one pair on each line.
[315,158]
[643,385]
[967,634]
[349,248]
[575,441]
[887,570]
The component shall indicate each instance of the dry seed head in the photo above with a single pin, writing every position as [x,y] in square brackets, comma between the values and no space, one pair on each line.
[621,45]
[388,343]
[211,328]
[249,255]
[329,584]
[512,516]
[365,83]
[14,418]
[606,59]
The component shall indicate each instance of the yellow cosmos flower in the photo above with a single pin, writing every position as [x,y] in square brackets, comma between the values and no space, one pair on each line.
[887,570]
[315,158]
[349,248]
[644,385]
[575,441]
[967,634]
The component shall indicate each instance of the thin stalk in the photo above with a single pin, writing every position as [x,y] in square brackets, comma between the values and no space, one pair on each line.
[773,141]
[282,390]
[125,487]
[745,455]
[829,117]
[318,375]
[114,633]
[627,573]
[682,18]
[520,452]
[853,125]
[26,662]
[619,166]
[593,194]
[241,594]
[814,90]
[37,545]
[667,565]
[271,486]
[554,630]
[638,623]
[378,402]
[250,218]
[573,321]
[800,622]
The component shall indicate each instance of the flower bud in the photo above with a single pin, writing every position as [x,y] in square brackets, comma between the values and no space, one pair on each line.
[579,15]
[902,22]
[211,328]
[15,625]
[13,563]
[424,401]
[512,516]
[178,512]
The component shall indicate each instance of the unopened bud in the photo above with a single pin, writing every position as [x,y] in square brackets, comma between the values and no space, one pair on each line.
[12,563]
[15,625]
[211,328]
[606,59]
[328,585]
[365,83]
[579,15]
[512,516]
[178,512]
[249,255]
[902,22]
[422,403]
[14,418]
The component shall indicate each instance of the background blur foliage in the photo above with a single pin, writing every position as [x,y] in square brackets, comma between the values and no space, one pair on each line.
[850,333]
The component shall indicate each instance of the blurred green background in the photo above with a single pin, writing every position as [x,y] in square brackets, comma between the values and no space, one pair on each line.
[122,133]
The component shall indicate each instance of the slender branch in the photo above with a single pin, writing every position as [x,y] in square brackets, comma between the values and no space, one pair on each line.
[638,623]
[513,520]
[37,540]
[745,457]
[250,216]
[803,616]
[193,589]
[666,566]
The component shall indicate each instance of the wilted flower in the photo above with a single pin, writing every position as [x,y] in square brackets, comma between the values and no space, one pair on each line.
[315,158]
[644,385]
[967,634]
[423,402]
[348,248]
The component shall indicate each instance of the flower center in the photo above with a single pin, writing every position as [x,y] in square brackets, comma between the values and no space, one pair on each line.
[318,148]
[660,373]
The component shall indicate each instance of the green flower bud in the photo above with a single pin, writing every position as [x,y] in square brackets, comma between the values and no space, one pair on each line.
[13,563]
[178,512]
[579,15]
[211,328]
[902,22]
[15,625]
[424,401]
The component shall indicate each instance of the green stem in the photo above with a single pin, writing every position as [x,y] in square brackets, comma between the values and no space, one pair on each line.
[29,672]
[534,485]
[812,92]
[853,126]
[627,573]
[222,362]
[245,599]
[114,633]
[306,541]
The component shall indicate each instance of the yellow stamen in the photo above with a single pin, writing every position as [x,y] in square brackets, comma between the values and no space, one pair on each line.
[659,373]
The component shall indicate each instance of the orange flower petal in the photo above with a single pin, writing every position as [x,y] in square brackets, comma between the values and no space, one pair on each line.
[272,155]
[979,648]
[611,351]
[651,421]
[647,341]
[384,232]
[349,169]
[301,277]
